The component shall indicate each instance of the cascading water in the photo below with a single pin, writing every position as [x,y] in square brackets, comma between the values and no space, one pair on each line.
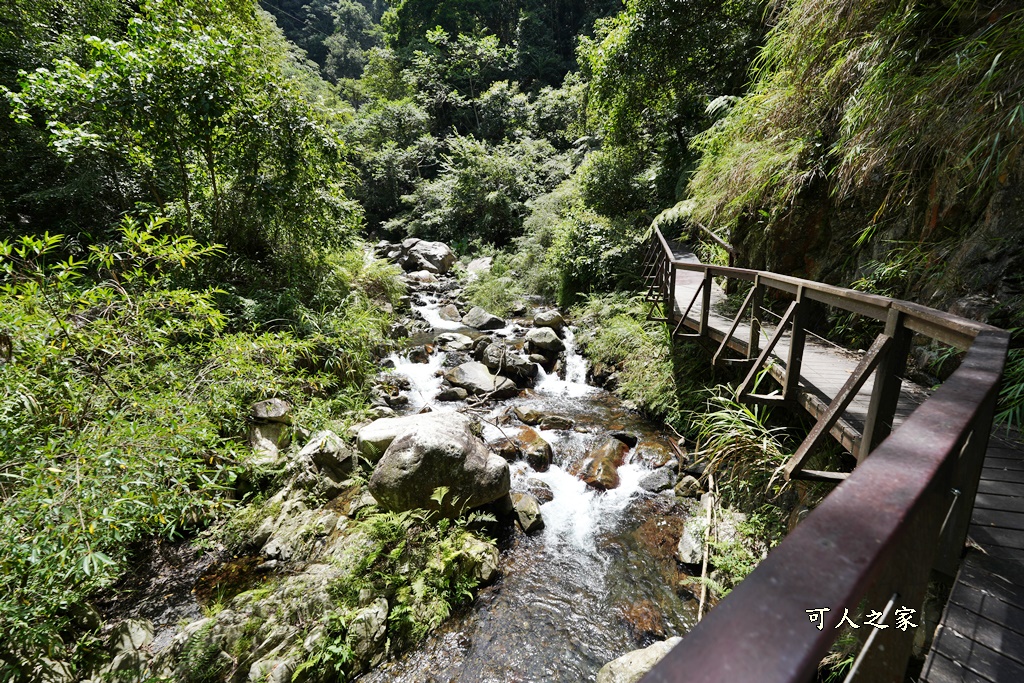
[570,595]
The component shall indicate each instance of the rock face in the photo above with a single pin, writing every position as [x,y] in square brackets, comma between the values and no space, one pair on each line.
[552,319]
[373,439]
[544,340]
[632,666]
[441,451]
[480,319]
[527,509]
[329,454]
[366,632]
[477,379]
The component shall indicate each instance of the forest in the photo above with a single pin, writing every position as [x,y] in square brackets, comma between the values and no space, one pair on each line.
[190,192]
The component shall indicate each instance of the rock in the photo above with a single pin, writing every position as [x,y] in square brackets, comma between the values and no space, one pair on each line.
[527,509]
[271,670]
[450,313]
[480,319]
[536,451]
[453,341]
[482,559]
[652,453]
[131,635]
[478,267]
[601,474]
[540,490]
[267,439]
[373,439]
[658,480]
[529,415]
[611,450]
[442,450]
[366,631]
[552,319]
[517,308]
[330,455]
[477,379]
[424,277]
[418,354]
[538,359]
[556,422]
[433,257]
[272,410]
[544,339]
[506,448]
[452,394]
[632,666]
[688,487]
[480,345]
[502,359]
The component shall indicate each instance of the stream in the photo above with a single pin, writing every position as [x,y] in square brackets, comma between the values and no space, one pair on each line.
[600,579]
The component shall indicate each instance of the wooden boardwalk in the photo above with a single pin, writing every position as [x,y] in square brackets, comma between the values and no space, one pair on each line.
[980,637]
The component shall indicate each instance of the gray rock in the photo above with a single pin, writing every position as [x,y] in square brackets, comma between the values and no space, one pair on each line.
[267,439]
[658,480]
[452,394]
[131,635]
[556,422]
[373,439]
[506,361]
[366,632]
[552,319]
[688,487]
[480,319]
[433,257]
[482,559]
[330,455]
[529,414]
[540,490]
[271,670]
[272,410]
[423,277]
[478,267]
[453,341]
[544,339]
[632,666]
[441,451]
[477,379]
[450,313]
[418,354]
[527,509]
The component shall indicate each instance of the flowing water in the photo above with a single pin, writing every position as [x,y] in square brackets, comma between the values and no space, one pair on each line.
[598,581]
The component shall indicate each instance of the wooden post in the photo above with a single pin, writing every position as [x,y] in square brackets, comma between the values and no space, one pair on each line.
[670,300]
[796,347]
[705,306]
[885,394]
[756,302]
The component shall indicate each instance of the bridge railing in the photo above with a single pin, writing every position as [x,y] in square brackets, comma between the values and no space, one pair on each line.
[873,543]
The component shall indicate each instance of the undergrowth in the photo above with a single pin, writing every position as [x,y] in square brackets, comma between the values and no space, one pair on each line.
[125,394]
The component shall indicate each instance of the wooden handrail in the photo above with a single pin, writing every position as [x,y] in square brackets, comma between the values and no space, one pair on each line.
[877,537]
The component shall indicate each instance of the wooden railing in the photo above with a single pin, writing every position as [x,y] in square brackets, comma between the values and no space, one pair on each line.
[903,512]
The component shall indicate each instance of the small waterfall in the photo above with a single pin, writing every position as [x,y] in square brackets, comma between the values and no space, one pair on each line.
[575,383]
[429,312]
[424,378]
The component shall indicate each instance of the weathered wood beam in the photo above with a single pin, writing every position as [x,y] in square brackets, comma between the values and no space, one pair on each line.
[748,382]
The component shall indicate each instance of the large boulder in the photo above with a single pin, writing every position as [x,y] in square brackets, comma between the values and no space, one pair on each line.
[272,410]
[373,439]
[480,319]
[601,474]
[610,449]
[544,340]
[433,257]
[450,313]
[442,451]
[477,379]
[504,360]
[552,319]
[632,666]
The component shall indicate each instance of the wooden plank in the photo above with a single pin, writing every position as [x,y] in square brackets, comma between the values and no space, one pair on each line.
[986,632]
[1016,464]
[732,329]
[994,501]
[991,607]
[940,669]
[1002,474]
[975,658]
[998,552]
[998,518]
[748,382]
[1004,538]
[1001,488]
